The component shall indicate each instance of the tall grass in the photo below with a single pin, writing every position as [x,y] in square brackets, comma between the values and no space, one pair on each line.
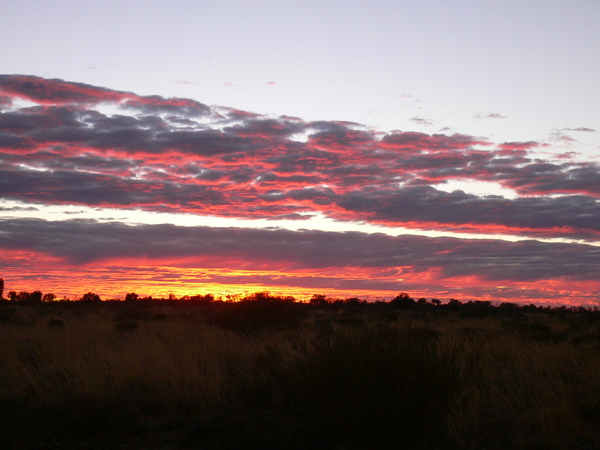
[200,376]
[91,372]
[379,385]
[167,364]
[530,395]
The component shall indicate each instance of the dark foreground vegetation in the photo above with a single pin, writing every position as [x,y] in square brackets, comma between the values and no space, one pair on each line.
[269,373]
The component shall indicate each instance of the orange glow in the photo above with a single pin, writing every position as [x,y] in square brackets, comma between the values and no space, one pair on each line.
[113,279]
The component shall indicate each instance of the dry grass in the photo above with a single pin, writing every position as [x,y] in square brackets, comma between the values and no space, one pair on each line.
[189,376]
[170,364]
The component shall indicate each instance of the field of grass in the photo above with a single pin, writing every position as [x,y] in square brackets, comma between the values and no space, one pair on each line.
[275,375]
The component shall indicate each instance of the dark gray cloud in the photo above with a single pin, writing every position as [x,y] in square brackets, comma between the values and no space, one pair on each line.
[427,204]
[90,242]
[55,91]
[68,187]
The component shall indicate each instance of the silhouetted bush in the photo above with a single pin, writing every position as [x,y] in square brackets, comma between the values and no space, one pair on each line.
[258,313]
[49,297]
[90,297]
[319,300]
[25,297]
[131,297]
[403,301]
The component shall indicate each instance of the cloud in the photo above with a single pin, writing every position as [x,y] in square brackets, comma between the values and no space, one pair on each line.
[89,242]
[512,146]
[428,205]
[57,92]
[490,116]
[421,121]
[180,155]
[585,129]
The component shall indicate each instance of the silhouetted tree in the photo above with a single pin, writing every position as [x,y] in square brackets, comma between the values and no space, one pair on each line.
[208,298]
[507,306]
[318,300]
[26,297]
[90,297]
[48,297]
[403,300]
[131,297]
[454,304]
[259,297]
[1,287]
[354,301]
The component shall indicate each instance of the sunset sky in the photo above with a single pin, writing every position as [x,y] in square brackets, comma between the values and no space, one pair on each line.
[448,149]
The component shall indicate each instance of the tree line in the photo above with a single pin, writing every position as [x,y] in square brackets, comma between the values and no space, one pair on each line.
[402,301]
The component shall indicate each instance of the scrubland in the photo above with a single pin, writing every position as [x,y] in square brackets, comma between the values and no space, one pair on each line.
[274,375]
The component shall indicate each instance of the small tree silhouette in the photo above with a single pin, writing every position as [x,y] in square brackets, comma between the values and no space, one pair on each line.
[48,297]
[26,297]
[35,296]
[454,304]
[403,300]
[319,300]
[1,288]
[131,297]
[90,297]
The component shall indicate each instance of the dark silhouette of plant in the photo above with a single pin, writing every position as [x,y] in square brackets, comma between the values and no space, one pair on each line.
[131,297]
[1,287]
[90,297]
[49,297]
[25,297]
[422,301]
[319,300]
[403,301]
[454,304]
[259,312]
[204,299]
[354,301]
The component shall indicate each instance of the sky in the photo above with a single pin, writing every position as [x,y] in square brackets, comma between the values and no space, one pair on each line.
[347,148]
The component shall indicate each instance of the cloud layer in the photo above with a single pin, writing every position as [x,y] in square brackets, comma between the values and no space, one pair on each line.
[71,143]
